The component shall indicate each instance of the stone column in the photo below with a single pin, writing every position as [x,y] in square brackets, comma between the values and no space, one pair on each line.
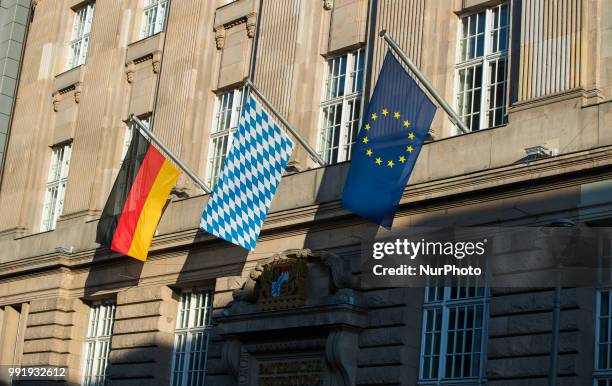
[54,335]
[143,337]
[12,328]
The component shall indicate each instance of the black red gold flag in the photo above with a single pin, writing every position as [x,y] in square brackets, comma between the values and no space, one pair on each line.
[134,206]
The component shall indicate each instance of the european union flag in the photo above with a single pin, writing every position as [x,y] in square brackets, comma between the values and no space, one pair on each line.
[388,144]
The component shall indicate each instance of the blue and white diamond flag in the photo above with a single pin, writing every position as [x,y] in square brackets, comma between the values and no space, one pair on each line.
[249,178]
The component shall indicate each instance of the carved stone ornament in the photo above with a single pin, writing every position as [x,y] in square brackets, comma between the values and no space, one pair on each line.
[268,283]
[156,61]
[230,356]
[220,37]
[129,71]
[35,3]
[328,4]
[340,358]
[77,92]
[249,290]
[283,283]
[56,101]
[251,24]
[340,271]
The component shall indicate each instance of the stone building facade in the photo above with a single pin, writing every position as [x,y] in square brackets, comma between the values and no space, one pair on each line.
[523,74]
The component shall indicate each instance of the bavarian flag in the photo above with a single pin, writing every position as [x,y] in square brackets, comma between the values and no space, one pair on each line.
[395,127]
[135,204]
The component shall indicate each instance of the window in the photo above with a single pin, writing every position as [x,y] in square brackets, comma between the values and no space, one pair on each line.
[81,30]
[453,335]
[56,186]
[341,106]
[129,133]
[603,338]
[482,69]
[225,122]
[191,338]
[154,17]
[97,343]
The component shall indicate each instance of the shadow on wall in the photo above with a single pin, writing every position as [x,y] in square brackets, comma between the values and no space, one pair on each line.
[203,265]
[108,271]
[142,346]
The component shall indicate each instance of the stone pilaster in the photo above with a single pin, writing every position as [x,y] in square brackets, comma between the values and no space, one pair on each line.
[54,335]
[520,335]
[143,337]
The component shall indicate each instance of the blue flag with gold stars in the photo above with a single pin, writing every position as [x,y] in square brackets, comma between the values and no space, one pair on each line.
[388,144]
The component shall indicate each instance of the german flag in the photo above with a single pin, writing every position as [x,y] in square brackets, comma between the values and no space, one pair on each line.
[136,202]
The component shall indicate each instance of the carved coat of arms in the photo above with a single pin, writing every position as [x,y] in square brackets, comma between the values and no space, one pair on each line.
[283,284]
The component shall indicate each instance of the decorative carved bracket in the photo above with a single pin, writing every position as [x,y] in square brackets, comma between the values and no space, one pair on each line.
[58,96]
[56,101]
[340,270]
[78,88]
[130,66]
[248,291]
[230,356]
[251,24]
[156,62]
[70,81]
[233,14]
[341,356]
[220,37]
[328,5]
[129,71]
[221,30]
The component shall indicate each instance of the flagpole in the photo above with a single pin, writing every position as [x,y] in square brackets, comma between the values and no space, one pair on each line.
[402,55]
[313,154]
[171,155]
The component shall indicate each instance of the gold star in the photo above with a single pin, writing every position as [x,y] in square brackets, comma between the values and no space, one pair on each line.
[390,164]
[378,161]
[367,126]
[374,116]
[411,135]
[385,112]
[369,152]
[365,140]
[409,149]
[406,123]
[402,159]
[396,115]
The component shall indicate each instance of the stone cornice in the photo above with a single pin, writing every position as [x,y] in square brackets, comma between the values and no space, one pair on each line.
[542,175]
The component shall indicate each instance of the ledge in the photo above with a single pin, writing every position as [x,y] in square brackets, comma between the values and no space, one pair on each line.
[151,46]
[546,99]
[232,12]
[69,79]
[472,5]
[301,317]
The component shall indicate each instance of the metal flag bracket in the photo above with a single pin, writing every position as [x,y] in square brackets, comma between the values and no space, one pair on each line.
[311,152]
[142,127]
[426,83]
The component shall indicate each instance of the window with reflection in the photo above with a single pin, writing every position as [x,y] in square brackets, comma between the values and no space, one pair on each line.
[453,336]
[193,325]
[341,106]
[482,67]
